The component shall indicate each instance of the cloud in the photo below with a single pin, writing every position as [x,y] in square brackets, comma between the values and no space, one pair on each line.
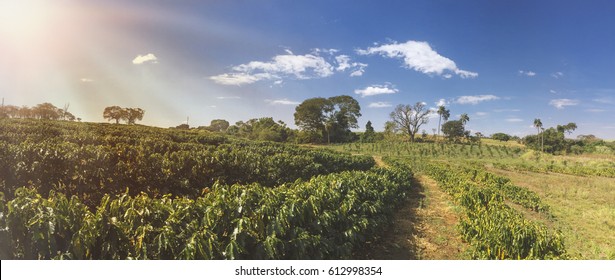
[604,100]
[557,75]
[595,110]
[419,56]
[475,99]
[284,101]
[561,103]
[514,120]
[86,80]
[441,102]
[140,59]
[527,73]
[228,97]
[301,67]
[238,79]
[482,113]
[552,91]
[506,110]
[376,90]
[379,105]
[343,64]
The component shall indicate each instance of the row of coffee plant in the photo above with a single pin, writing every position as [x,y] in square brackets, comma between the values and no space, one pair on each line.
[328,217]
[91,160]
[493,229]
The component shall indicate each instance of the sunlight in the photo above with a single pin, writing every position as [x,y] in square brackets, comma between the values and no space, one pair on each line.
[24,21]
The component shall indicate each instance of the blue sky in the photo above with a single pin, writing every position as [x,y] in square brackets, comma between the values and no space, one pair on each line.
[502,62]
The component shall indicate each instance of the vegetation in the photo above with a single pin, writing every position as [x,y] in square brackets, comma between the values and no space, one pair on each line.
[45,111]
[91,160]
[408,119]
[330,117]
[494,229]
[501,137]
[327,217]
[129,115]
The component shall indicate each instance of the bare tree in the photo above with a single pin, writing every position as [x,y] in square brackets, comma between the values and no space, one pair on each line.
[409,118]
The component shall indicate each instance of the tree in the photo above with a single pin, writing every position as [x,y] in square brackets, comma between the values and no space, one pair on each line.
[369,135]
[464,118]
[332,116]
[131,115]
[538,126]
[409,118]
[568,128]
[46,111]
[113,113]
[453,130]
[444,114]
[218,125]
[500,136]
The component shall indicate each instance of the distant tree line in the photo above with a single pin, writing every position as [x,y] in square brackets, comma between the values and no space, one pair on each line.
[45,111]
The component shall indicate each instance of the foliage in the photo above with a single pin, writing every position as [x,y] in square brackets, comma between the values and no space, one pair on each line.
[129,115]
[494,229]
[328,217]
[265,129]
[501,137]
[369,136]
[45,111]
[90,160]
[332,117]
[454,130]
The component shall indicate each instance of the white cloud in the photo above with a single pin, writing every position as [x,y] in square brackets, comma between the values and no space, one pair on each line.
[86,80]
[441,102]
[475,99]
[379,105]
[561,103]
[286,65]
[420,57]
[557,75]
[284,101]
[343,63]
[228,97]
[481,113]
[241,78]
[552,91]
[527,73]
[140,59]
[595,110]
[376,90]
[514,120]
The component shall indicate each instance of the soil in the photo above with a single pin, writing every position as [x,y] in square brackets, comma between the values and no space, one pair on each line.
[424,228]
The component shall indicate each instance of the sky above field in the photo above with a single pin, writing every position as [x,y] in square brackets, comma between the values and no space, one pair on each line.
[503,63]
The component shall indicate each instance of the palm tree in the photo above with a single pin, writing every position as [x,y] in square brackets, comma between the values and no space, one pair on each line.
[444,114]
[538,126]
[464,118]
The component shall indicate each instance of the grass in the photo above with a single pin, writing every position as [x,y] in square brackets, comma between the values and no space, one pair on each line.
[584,208]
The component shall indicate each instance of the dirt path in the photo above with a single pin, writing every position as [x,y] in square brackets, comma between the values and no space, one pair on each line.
[424,228]
[379,161]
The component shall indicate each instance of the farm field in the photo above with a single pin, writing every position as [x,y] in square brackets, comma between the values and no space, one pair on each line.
[578,190]
[101,191]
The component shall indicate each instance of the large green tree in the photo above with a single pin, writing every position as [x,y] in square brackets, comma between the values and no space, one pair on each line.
[331,117]
[454,130]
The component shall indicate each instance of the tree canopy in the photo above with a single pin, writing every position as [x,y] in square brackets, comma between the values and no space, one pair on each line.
[331,117]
